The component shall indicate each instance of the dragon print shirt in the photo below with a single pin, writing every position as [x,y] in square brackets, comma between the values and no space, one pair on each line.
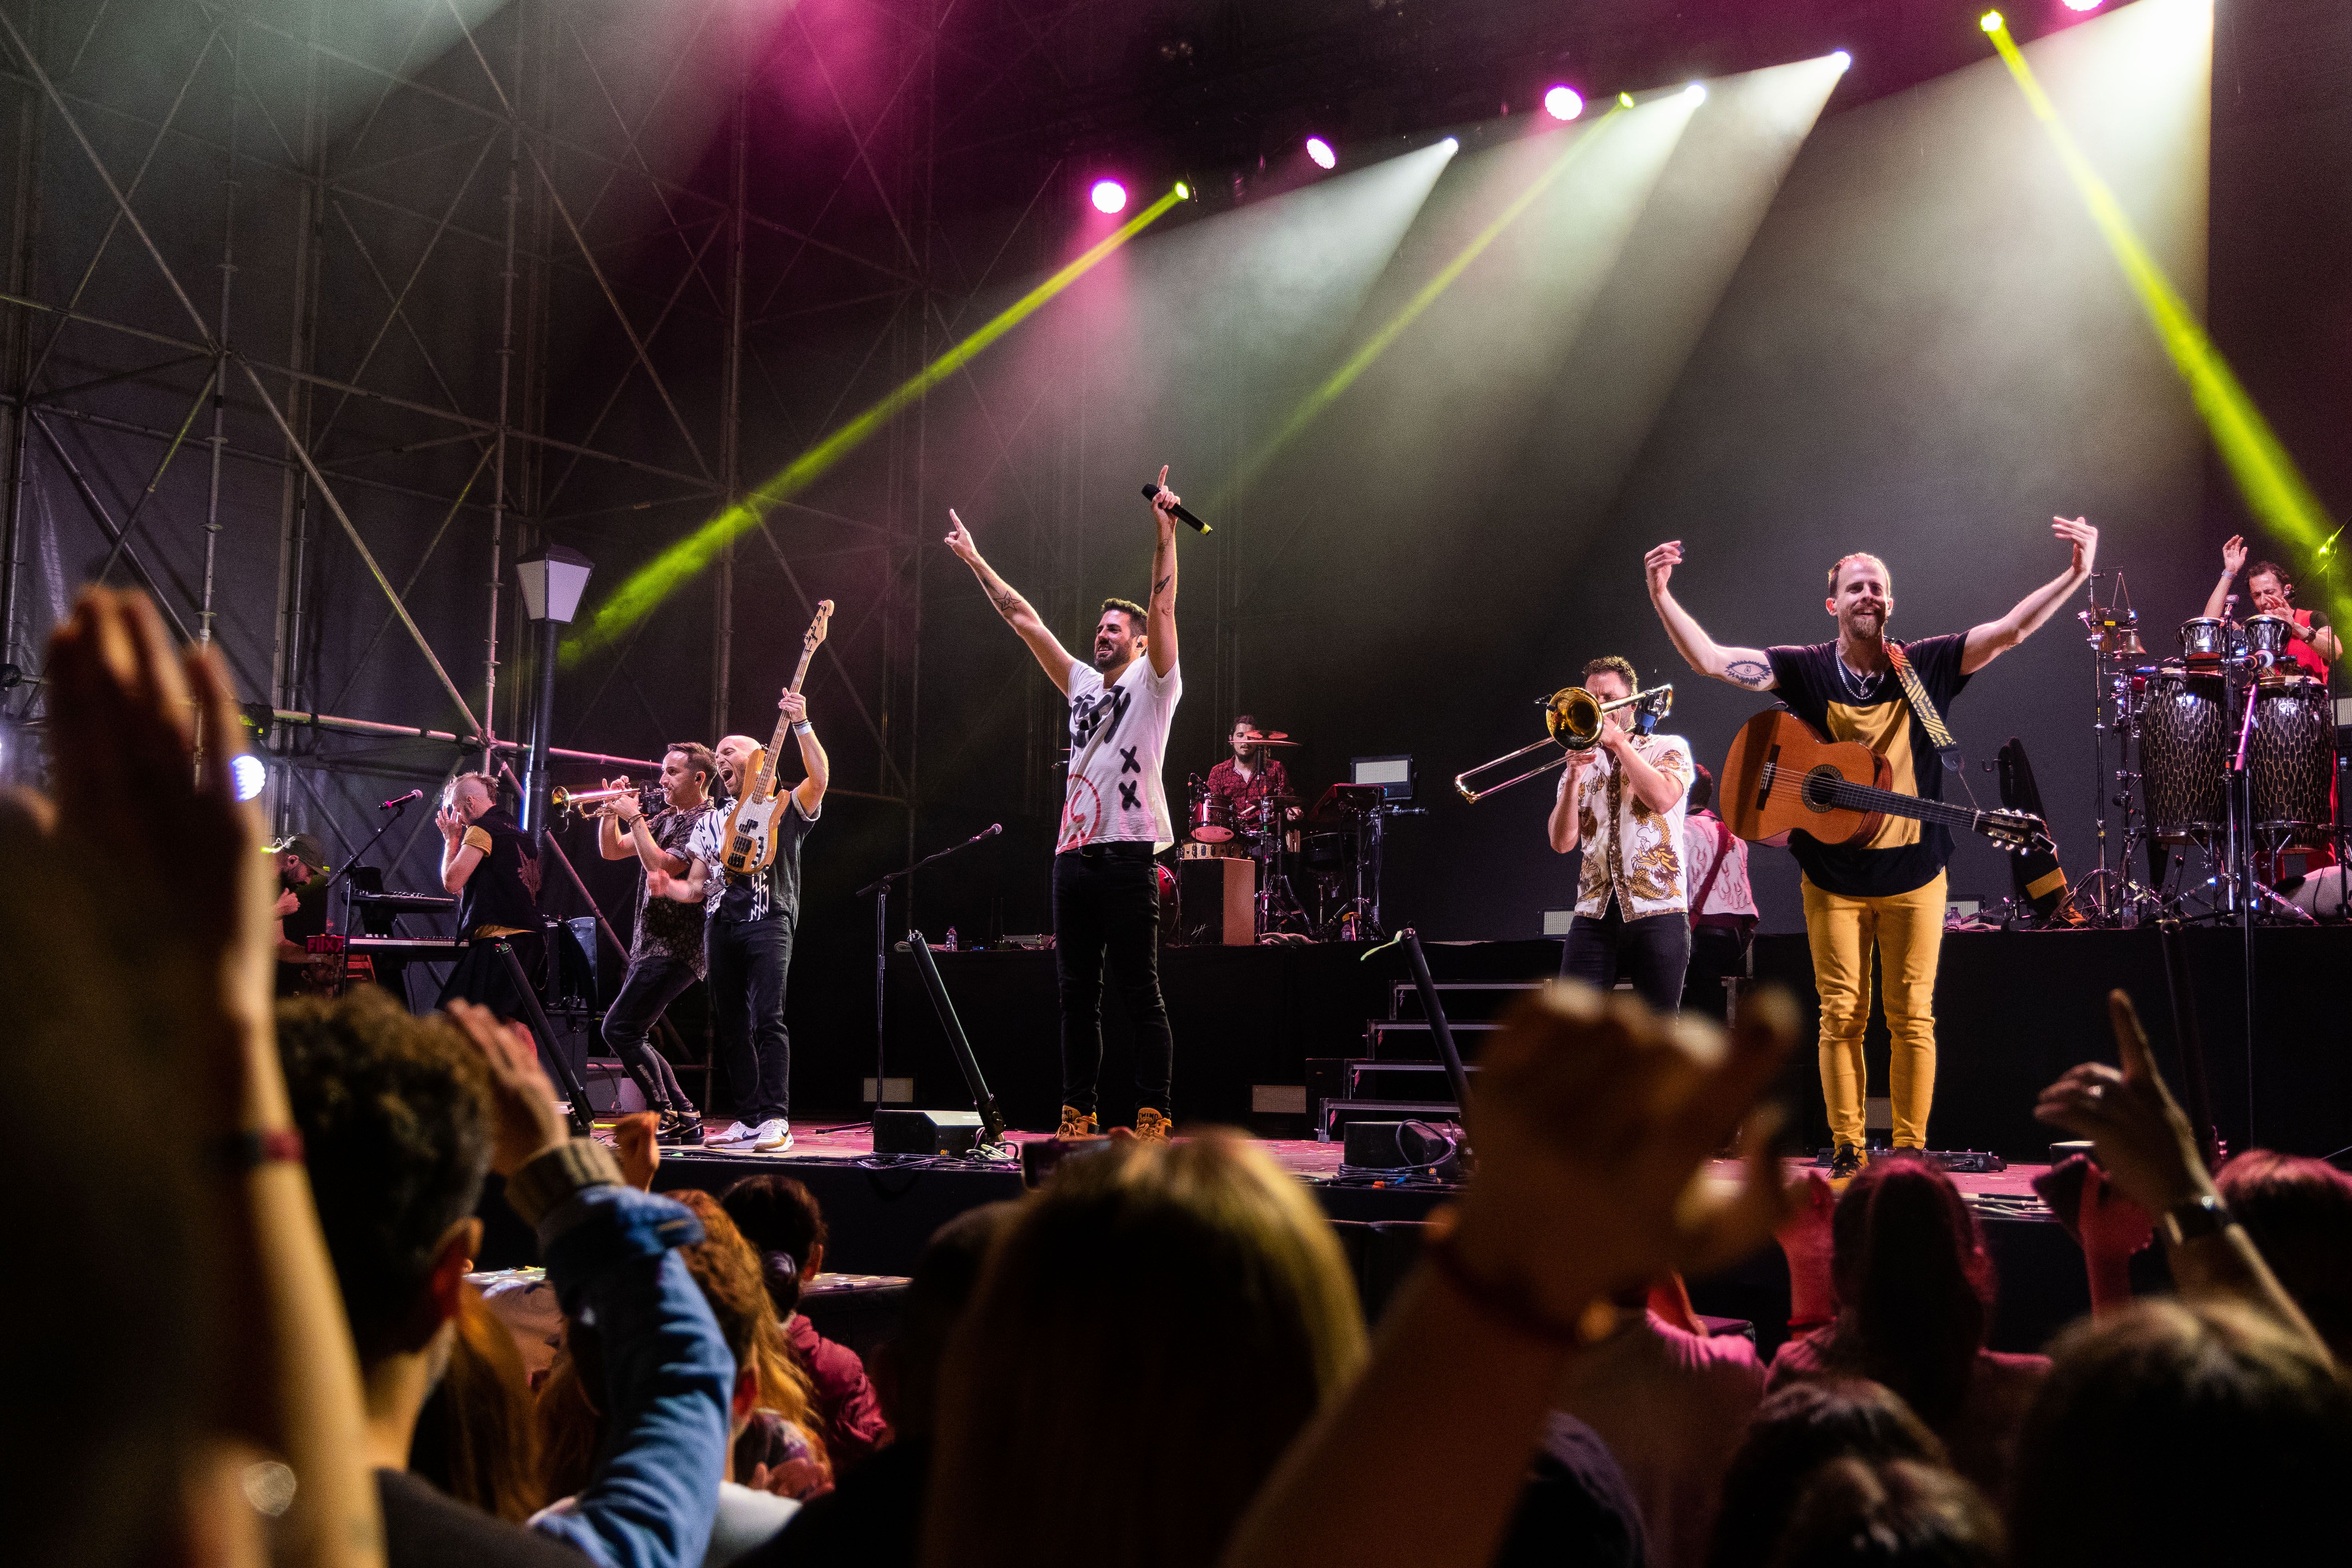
[1632,852]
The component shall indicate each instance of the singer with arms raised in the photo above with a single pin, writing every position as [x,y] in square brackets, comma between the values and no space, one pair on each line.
[1886,894]
[1114,820]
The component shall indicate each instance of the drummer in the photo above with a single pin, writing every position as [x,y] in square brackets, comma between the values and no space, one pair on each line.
[2313,648]
[1249,775]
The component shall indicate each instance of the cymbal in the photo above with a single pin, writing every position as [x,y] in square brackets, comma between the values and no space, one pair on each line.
[1276,739]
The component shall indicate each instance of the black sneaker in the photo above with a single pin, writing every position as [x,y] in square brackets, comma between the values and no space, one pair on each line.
[679,1129]
[1844,1162]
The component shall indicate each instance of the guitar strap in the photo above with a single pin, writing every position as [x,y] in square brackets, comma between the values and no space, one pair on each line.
[1915,691]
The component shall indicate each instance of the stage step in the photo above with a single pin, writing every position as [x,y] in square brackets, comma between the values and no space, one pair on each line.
[1464,1001]
[1357,1070]
[1410,1039]
[1332,1114]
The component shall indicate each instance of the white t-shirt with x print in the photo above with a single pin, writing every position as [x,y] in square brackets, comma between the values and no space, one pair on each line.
[1119,738]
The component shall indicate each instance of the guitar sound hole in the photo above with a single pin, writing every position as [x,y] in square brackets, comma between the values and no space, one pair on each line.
[1818,785]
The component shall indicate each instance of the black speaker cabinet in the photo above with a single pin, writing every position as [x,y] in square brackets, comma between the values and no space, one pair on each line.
[926,1132]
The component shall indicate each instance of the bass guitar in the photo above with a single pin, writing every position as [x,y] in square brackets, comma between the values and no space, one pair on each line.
[750,835]
[1782,775]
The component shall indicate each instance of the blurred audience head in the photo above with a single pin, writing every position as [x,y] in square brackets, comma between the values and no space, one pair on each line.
[1792,1434]
[781,1219]
[906,1367]
[1889,1513]
[1153,1329]
[394,1117]
[478,1438]
[2171,1433]
[2299,1212]
[1702,789]
[1913,1284]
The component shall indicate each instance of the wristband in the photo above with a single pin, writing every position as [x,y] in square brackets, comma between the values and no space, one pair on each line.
[1507,1302]
[238,1152]
[2202,1215]
[803,728]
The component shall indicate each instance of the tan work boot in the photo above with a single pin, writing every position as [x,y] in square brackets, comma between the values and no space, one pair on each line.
[1076,1123]
[1150,1126]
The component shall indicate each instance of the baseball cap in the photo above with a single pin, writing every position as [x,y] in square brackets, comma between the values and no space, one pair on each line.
[302,846]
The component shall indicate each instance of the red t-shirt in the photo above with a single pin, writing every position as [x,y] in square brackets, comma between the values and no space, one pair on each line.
[2302,652]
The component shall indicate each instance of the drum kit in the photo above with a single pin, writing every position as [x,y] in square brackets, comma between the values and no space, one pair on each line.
[1319,870]
[2235,749]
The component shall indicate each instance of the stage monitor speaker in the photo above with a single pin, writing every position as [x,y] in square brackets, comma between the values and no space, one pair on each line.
[926,1132]
[1217,901]
[1399,1145]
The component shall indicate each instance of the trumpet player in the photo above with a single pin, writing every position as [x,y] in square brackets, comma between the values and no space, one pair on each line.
[666,952]
[1621,801]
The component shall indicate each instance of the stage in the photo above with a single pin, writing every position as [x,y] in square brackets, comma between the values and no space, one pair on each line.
[881,1210]
[1265,1035]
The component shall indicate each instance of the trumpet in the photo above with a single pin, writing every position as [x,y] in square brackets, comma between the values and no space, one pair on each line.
[651,798]
[1574,717]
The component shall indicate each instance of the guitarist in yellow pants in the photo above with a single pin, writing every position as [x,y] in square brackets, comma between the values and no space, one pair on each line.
[1883,896]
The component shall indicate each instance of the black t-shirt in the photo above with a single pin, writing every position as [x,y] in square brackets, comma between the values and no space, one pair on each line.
[1819,688]
[425,1528]
[309,921]
[1575,1505]
[770,894]
[496,893]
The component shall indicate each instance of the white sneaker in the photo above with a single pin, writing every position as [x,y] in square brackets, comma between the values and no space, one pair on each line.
[736,1135]
[774,1136]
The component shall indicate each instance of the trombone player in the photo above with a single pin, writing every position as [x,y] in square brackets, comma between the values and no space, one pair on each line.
[1621,800]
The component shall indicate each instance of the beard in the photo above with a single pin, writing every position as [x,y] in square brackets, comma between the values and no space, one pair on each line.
[1105,660]
[1867,623]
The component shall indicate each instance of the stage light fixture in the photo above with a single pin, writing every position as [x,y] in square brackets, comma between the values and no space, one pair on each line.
[1320,150]
[1563,102]
[1109,196]
[2084,5]
[1990,22]
[1450,145]
[1842,61]
[1183,192]
[1624,100]
[1695,92]
[247,774]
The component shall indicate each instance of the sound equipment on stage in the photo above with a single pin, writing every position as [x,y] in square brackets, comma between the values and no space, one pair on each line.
[1422,1147]
[399,903]
[951,1132]
[988,1120]
[1216,899]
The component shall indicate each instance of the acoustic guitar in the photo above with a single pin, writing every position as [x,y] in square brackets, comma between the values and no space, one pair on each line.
[1782,775]
[750,835]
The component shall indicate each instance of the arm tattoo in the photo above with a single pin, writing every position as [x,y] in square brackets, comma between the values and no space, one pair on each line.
[1748,672]
[1161,586]
[1008,603]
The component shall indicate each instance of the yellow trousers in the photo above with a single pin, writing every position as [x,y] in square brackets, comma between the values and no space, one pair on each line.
[1906,930]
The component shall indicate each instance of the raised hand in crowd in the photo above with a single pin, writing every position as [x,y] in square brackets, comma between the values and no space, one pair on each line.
[1591,1122]
[173,969]
[1806,1242]
[2148,1152]
[632,1144]
[524,1120]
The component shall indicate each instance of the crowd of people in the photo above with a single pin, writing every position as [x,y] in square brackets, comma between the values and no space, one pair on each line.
[254,1339]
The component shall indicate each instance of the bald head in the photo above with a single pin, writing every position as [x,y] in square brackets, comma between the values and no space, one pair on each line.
[734,753]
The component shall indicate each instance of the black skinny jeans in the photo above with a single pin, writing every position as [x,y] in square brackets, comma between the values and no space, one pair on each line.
[655,980]
[1107,907]
[747,961]
[1653,952]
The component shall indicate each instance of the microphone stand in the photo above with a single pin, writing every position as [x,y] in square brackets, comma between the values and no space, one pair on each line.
[343,953]
[879,888]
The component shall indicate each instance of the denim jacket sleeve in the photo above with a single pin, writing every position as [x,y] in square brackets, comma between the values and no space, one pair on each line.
[669,1379]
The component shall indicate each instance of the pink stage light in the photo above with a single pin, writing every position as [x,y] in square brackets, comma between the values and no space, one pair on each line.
[1563,102]
[1109,196]
[2084,5]
[1320,150]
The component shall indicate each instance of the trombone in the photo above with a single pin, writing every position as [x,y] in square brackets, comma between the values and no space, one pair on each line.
[1574,717]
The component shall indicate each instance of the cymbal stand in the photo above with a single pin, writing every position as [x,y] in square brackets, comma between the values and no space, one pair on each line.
[2110,895]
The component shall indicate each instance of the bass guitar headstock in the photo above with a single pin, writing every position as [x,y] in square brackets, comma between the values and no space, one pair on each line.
[816,627]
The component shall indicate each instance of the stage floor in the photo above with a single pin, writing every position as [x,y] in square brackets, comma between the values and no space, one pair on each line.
[2008,1194]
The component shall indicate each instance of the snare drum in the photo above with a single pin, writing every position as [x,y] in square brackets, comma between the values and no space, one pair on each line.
[2205,640]
[2291,762]
[2184,752]
[1212,820]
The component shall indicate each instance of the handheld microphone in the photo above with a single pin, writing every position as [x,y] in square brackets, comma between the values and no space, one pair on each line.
[396,802]
[1153,491]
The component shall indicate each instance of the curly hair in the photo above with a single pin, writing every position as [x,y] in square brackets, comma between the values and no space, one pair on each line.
[396,1123]
[1614,664]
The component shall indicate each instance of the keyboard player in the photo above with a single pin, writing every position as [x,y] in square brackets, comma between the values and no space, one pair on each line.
[301,905]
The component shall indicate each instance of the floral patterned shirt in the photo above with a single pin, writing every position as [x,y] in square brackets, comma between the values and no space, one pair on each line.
[1631,851]
[665,926]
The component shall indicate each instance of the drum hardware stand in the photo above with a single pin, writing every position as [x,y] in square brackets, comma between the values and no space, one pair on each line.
[2111,896]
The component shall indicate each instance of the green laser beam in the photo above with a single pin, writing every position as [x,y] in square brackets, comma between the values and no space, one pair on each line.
[661,576]
[2273,488]
[1312,406]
